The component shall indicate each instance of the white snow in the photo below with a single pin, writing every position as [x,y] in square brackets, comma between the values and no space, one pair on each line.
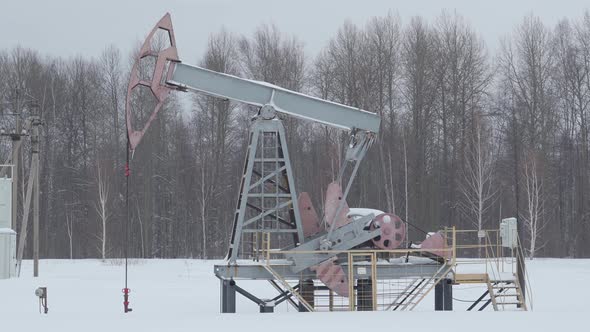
[363,212]
[7,231]
[183,295]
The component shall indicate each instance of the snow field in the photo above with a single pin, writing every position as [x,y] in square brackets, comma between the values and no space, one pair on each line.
[183,295]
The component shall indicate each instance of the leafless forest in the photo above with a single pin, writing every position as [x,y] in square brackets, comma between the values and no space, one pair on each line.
[468,135]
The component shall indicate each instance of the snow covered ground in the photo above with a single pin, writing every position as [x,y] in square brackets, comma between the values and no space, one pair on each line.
[183,295]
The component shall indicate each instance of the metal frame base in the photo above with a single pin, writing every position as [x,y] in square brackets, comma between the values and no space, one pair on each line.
[249,270]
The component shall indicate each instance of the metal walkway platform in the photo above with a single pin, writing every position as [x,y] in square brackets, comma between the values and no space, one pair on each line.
[249,270]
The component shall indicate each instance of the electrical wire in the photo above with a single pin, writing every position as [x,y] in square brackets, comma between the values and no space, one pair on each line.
[416,227]
[127,171]
[461,300]
[126,229]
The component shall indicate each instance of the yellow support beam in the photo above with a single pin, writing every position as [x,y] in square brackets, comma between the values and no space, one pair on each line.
[471,278]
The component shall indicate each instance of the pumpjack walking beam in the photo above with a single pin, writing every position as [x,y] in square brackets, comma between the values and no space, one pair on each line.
[282,100]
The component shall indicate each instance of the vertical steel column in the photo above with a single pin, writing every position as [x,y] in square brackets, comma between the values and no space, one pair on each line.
[291,180]
[228,296]
[236,236]
[443,295]
[306,289]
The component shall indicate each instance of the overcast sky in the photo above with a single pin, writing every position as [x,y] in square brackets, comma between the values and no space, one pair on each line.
[76,27]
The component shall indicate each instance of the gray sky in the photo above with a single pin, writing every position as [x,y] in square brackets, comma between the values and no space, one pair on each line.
[72,27]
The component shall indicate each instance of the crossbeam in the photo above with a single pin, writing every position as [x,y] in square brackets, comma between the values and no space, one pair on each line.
[285,101]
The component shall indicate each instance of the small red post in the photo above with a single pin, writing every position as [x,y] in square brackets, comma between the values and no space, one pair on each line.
[126,292]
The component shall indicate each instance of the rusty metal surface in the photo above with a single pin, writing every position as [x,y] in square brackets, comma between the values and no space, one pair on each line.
[164,64]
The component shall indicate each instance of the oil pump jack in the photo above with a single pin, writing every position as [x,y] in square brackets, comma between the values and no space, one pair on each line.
[270,217]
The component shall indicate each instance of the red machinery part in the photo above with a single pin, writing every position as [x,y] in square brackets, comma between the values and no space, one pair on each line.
[126,292]
[309,217]
[165,60]
[393,231]
[436,244]
[333,199]
[333,276]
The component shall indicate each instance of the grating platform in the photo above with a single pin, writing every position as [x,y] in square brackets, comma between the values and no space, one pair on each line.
[394,269]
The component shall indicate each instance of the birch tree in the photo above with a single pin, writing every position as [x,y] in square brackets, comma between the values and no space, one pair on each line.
[535,204]
[463,76]
[102,206]
[477,187]
[213,123]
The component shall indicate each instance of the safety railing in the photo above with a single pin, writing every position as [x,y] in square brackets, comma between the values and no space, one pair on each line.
[527,284]
[398,279]
[362,279]
[488,256]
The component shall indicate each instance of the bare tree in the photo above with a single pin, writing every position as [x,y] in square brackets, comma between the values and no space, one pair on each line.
[527,63]
[70,229]
[463,77]
[419,96]
[406,197]
[383,38]
[572,50]
[110,66]
[213,123]
[533,218]
[102,205]
[477,186]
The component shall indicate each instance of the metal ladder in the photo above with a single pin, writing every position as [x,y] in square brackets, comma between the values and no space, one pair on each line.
[405,294]
[418,290]
[506,294]
[287,286]
[502,293]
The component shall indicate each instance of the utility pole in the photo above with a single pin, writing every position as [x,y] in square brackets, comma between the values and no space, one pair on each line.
[31,128]
[32,193]
[520,264]
[36,122]
[15,137]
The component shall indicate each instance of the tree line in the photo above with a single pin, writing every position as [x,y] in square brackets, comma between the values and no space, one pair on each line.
[468,136]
